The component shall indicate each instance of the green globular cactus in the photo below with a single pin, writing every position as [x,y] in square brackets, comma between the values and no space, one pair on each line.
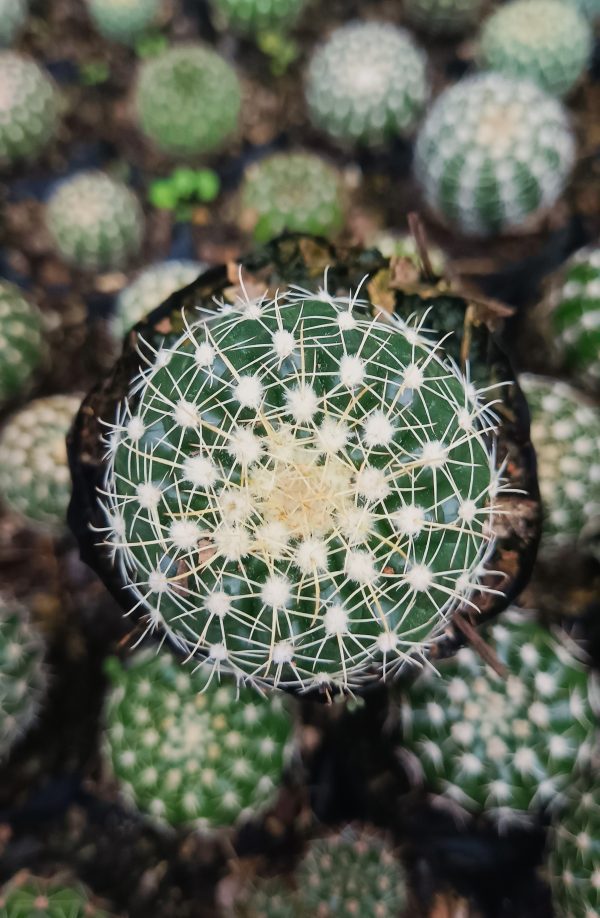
[508,744]
[298,192]
[23,674]
[95,221]
[21,341]
[403,245]
[590,8]
[270,898]
[188,749]
[13,14]
[28,896]
[367,83]
[574,862]
[151,288]
[34,476]
[254,16]
[493,153]
[29,108]
[123,20]
[547,41]
[188,100]
[565,431]
[300,492]
[571,315]
[443,17]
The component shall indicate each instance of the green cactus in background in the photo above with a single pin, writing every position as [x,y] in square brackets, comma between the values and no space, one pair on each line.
[547,41]
[298,192]
[571,315]
[34,477]
[443,17]
[574,863]
[188,749]
[151,288]
[270,898]
[188,100]
[493,153]
[29,108]
[590,8]
[21,341]
[95,221]
[392,244]
[367,83]
[253,16]
[13,14]
[565,431]
[23,674]
[386,448]
[503,743]
[28,896]
[123,20]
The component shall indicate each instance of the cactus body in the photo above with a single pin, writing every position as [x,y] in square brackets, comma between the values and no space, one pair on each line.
[492,153]
[28,896]
[187,752]
[13,14]
[34,477]
[23,675]
[123,20]
[149,289]
[507,743]
[547,41]
[95,222]
[252,16]
[300,492]
[298,192]
[188,100]
[28,108]
[443,17]
[565,432]
[21,342]
[367,83]
[590,8]
[574,863]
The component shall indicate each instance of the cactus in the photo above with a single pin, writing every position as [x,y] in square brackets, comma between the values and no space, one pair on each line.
[21,341]
[298,192]
[402,245]
[386,448]
[443,17]
[565,431]
[28,896]
[493,153]
[547,41]
[123,20]
[13,14]
[95,222]
[254,16]
[187,749]
[23,674]
[34,477]
[574,863]
[505,743]
[188,100]
[589,8]
[149,289]
[367,83]
[571,315]
[29,108]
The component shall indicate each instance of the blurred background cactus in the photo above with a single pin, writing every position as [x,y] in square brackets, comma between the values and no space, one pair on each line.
[149,289]
[575,853]
[254,16]
[21,342]
[55,897]
[23,674]
[123,20]
[13,14]
[29,108]
[443,17]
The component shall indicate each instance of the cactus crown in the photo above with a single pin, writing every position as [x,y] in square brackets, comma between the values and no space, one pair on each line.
[547,41]
[29,108]
[28,896]
[13,14]
[506,743]
[123,20]
[23,675]
[574,864]
[367,83]
[251,16]
[442,17]
[151,288]
[299,491]
[21,341]
[188,749]
[188,100]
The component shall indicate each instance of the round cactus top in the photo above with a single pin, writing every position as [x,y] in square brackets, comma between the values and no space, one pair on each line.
[565,432]
[574,864]
[548,41]
[507,743]
[493,152]
[367,83]
[34,476]
[300,491]
[123,20]
[253,16]
[13,14]
[23,674]
[21,341]
[149,289]
[188,749]
[188,100]
[29,107]
[28,896]
[297,192]
[442,17]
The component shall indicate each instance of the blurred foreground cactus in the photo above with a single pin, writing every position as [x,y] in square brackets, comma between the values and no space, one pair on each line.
[123,20]
[149,289]
[28,896]
[574,863]
[13,14]
[443,17]
[29,108]
[23,674]
[254,16]
[21,341]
